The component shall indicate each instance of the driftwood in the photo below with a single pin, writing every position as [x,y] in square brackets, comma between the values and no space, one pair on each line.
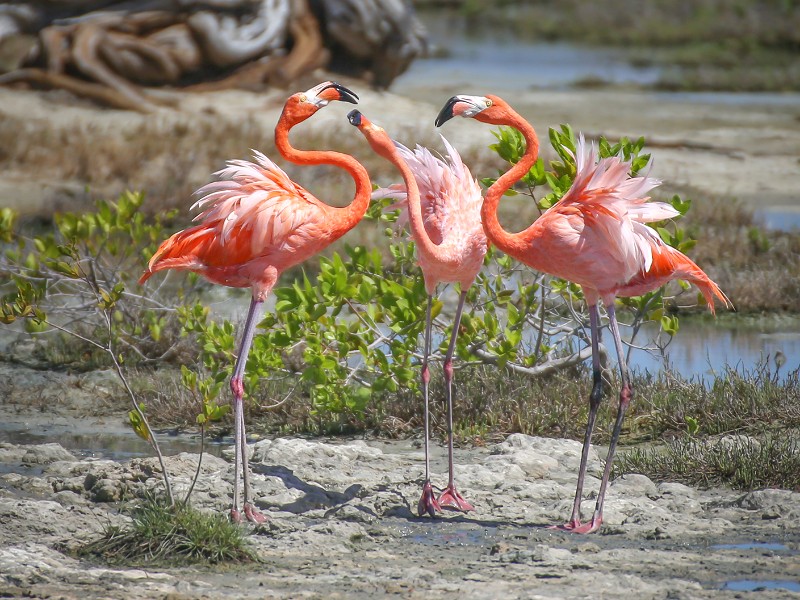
[109,50]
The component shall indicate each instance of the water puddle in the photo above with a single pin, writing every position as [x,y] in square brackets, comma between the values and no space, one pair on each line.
[704,349]
[779,218]
[120,446]
[437,537]
[774,546]
[755,585]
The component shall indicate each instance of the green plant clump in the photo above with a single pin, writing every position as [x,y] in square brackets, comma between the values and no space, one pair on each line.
[177,535]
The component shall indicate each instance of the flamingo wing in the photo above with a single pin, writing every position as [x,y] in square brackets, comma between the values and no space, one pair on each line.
[606,209]
[254,219]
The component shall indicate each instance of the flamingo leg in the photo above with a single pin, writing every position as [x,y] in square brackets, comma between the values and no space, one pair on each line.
[625,395]
[450,497]
[427,502]
[595,397]
[237,387]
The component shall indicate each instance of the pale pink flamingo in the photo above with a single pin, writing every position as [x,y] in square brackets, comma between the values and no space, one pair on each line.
[594,236]
[256,223]
[442,202]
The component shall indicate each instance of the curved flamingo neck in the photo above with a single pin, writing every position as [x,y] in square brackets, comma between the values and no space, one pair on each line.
[349,216]
[510,243]
[421,237]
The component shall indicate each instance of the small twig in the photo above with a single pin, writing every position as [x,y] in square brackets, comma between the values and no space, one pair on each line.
[547,368]
[199,463]
[282,402]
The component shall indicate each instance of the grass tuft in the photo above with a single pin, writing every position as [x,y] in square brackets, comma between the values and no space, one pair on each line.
[741,462]
[179,535]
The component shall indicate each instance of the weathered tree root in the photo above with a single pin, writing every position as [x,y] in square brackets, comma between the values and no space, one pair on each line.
[109,54]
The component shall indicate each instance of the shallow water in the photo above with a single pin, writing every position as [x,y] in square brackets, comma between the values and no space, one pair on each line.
[755,585]
[772,546]
[704,349]
[114,443]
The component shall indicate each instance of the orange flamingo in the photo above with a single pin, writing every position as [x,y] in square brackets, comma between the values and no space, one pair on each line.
[594,236]
[256,223]
[442,201]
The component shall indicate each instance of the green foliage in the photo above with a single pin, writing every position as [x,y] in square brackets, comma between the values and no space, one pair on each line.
[138,424]
[348,336]
[91,258]
[164,535]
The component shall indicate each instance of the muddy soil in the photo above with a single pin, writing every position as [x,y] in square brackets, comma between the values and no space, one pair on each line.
[342,519]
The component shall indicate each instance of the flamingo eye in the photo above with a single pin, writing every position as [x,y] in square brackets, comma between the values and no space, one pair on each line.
[303,98]
[488,103]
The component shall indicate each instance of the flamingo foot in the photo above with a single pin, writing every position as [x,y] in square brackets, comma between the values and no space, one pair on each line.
[575,526]
[452,499]
[253,514]
[427,502]
[236,516]
[568,526]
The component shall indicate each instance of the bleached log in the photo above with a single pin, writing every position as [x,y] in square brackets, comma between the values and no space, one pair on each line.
[125,44]
[231,40]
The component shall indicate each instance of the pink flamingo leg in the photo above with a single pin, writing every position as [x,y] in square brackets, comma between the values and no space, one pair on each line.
[427,502]
[594,402]
[450,497]
[237,387]
[625,396]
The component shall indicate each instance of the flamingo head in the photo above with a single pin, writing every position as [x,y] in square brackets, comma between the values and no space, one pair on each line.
[377,137]
[488,109]
[302,105]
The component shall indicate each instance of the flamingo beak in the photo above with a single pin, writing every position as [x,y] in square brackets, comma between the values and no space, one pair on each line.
[354,117]
[329,91]
[464,106]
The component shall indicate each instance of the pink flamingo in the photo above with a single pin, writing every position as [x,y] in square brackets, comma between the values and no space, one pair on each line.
[594,236]
[257,223]
[442,201]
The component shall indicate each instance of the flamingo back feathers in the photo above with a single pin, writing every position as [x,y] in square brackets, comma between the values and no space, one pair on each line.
[668,264]
[614,205]
[254,216]
[450,197]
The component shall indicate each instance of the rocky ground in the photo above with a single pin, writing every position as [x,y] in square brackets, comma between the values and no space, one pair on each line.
[342,520]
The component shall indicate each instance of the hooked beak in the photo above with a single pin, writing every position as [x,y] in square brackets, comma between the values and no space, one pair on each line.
[329,91]
[464,106]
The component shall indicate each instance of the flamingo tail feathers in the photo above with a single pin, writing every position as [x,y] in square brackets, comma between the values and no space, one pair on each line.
[683,267]
[182,251]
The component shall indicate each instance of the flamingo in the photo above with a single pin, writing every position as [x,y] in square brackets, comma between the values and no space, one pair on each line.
[595,236]
[442,201]
[256,223]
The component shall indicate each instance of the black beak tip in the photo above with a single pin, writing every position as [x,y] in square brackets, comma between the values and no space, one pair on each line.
[345,95]
[354,116]
[446,113]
